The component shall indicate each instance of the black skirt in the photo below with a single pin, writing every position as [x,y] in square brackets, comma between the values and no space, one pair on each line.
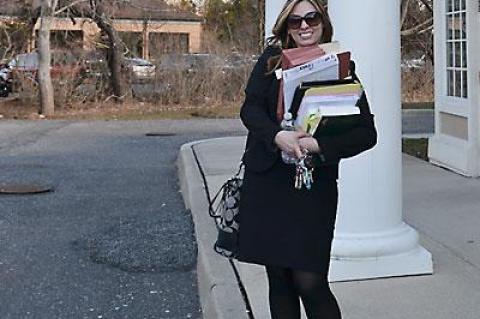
[282,226]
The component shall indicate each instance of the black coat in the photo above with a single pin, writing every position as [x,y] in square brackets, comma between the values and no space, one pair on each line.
[279,225]
[258,114]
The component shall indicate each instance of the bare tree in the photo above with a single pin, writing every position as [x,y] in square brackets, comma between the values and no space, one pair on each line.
[417,26]
[96,11]
[45,11]
[236,23]
[7,44]
[47,102]
[99,11]
[99,15]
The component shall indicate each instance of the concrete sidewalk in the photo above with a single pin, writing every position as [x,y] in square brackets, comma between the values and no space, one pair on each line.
[443,206]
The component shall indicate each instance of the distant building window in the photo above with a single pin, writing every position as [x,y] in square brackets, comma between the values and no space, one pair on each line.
[162,43]
[457,75]
[133,41]
[65,39]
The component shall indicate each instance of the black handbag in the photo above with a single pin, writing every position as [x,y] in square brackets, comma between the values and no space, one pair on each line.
[225,209]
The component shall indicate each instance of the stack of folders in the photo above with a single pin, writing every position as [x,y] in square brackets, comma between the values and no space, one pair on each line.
[326,61]
[326,107]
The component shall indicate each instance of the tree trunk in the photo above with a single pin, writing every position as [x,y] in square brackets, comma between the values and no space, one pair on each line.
[115,59]
[261,25]
[114,51]
[47,102]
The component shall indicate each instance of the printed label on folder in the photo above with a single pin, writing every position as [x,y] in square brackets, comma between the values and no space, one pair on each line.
[321,69]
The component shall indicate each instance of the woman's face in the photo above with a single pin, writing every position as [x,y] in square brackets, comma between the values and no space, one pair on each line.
[305,34]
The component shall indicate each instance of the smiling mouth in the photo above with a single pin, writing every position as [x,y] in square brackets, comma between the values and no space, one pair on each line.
[305,35]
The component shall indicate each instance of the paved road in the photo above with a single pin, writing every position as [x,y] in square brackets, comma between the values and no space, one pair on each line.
[418,122]
[113,240]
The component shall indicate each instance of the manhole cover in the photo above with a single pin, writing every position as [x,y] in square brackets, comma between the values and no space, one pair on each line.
[154,134]
[24,189]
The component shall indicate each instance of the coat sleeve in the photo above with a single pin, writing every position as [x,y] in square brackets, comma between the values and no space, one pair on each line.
[352,142]
[254,112]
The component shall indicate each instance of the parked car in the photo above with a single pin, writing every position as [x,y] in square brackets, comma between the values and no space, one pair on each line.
[96,67]
[5,80]
[238,61]
[25,66]
[194,62]
[140,68]
[190,62]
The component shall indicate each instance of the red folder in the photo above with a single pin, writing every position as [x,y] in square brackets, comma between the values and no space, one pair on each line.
[298,56]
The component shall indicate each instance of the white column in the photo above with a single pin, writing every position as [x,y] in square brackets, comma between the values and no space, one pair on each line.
[371,239]
[272,9]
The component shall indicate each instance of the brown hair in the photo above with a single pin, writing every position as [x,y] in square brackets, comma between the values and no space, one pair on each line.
[282,39]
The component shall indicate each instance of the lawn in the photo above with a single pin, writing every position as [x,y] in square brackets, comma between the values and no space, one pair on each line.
[417,147]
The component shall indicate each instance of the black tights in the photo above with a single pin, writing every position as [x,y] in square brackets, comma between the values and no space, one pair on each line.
[287,286]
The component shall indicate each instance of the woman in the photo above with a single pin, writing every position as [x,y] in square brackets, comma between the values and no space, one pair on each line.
[290,231]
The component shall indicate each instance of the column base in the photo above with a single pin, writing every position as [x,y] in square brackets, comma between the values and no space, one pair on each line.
[390,253]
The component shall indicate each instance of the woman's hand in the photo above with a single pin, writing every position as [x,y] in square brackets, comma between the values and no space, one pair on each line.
[288,141]
[310,144]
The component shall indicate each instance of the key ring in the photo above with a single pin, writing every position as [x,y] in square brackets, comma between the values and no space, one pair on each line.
[304,171]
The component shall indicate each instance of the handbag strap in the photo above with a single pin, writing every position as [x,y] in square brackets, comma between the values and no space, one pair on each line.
[212,201]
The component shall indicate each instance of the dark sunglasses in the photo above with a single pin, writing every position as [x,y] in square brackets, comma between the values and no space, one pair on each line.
[312,19]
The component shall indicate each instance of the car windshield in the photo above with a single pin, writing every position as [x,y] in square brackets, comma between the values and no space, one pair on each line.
[30,60]
[139,62]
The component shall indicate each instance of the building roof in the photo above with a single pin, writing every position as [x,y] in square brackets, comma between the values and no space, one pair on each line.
[125,9]
[150,9]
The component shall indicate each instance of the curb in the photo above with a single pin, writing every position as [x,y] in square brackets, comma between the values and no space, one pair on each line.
[418,111]
[219,291]
[417,135]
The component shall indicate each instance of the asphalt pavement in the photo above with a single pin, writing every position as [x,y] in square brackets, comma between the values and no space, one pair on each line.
[418,123]
[114,239]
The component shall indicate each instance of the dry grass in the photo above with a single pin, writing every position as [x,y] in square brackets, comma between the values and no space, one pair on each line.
[179,92]
[418,85]
[130,110]
[201,87]
[145,111]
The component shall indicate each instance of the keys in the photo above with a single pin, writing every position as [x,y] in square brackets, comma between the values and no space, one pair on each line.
[298,177]
[304,172]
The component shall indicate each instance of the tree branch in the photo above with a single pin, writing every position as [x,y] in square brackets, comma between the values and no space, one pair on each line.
[427,4]
[9,41]
[71,5]
[405,6]
[420,27]
[429,28]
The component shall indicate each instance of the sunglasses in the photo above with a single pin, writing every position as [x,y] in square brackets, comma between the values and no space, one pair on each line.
[313,19]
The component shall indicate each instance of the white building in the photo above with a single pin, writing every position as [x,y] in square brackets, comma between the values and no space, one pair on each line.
[456,144]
